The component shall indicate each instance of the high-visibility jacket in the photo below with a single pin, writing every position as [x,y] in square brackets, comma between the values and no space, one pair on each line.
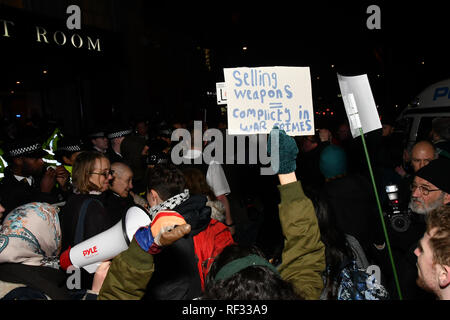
[50,146]
[3,165]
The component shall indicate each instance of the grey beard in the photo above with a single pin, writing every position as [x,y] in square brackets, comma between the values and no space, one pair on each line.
[426,209]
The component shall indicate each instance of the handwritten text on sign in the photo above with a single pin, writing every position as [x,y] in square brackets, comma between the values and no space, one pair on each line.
[261,98]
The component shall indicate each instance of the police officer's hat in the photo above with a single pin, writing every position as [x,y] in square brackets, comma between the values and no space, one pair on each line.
[99,133]
[26,148]
[118,131]
[69,145]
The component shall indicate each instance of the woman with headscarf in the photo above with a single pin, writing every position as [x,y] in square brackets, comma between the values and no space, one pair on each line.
[30,244]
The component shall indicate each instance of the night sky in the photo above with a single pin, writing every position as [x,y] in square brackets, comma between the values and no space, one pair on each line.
[164,59]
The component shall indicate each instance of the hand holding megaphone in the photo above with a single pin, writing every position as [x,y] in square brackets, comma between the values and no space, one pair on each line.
[152,237]
[171,236]
[165,229]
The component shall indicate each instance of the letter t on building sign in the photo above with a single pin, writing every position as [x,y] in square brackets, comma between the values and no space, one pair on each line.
[74,20]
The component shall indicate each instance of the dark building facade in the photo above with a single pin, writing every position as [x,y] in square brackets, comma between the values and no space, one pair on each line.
[122,64]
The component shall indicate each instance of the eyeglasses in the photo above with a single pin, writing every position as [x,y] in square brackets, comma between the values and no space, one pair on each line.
[106,174]
[423,190]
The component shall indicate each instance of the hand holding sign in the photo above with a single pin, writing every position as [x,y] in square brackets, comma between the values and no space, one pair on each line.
[287,150]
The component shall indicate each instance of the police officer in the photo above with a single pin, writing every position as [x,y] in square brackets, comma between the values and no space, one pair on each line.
[26,177]
[115,137]
[67,150]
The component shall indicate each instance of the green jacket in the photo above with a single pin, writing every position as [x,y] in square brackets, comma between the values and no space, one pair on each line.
[303,255]
[128,275]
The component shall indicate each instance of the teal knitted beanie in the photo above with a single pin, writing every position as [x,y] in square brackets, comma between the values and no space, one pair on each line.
[333,161]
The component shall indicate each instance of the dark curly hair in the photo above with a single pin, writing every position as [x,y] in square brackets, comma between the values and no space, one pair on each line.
[251,283]
[167,180]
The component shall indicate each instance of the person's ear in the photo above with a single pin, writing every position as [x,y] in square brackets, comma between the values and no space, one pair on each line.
[148,195]
[444,275]
[446,198]
[153,198]
[156,196]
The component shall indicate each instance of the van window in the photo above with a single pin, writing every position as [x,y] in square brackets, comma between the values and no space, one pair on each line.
[423,132]
[402,129]
[424,129]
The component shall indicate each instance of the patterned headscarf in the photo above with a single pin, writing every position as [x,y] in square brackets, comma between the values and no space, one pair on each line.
[31,235]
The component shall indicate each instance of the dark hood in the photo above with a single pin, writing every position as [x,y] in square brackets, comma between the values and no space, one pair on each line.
[196,213]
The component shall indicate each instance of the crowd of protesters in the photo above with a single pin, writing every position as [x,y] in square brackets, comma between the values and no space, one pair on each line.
[290,235]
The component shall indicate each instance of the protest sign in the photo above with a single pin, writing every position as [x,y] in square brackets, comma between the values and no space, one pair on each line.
[221,93]
[363,117]
[359,104]
[260,98]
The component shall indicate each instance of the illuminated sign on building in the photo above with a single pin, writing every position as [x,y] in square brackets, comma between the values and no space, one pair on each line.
[45,35]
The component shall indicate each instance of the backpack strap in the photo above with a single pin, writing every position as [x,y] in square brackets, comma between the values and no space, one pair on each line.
[79,231]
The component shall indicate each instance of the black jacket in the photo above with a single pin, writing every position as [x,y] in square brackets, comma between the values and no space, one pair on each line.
[41,283]
[113,156]
[47,280]
[15,193]
[176,274]
[308,170]
[353,201]
[117,206]
[96,221]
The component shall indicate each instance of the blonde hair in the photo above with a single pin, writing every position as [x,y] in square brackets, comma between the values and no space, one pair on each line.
[82,168]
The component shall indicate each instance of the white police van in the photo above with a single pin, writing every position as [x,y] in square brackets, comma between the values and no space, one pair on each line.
[415,120]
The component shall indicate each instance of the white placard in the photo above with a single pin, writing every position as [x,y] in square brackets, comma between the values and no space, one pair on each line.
[359,104]
[221,93]
[260,98]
